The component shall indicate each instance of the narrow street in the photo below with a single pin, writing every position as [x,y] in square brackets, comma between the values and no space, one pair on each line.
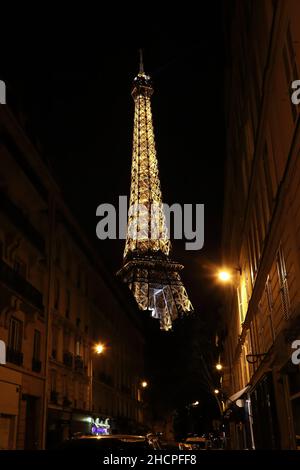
[150,240]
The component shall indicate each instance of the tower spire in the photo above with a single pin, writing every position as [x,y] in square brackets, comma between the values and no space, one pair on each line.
[148,271]
[141,71]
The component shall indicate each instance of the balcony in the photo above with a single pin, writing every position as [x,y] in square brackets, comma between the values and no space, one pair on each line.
[66,402]
[14,281]
[36,365]
[125,389]
[53,396]
[106,378]
[68,359]
[79,365]
[21,222]
[15,357]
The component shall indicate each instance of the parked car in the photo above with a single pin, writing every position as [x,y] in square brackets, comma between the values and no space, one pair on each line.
[195,443]
[114,442]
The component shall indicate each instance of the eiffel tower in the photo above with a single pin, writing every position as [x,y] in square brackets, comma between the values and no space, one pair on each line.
[151,275]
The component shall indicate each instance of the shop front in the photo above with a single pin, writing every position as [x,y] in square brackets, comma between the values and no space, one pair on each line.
[237,421]
[265,422]
[10,388]
[293,381]
[64,425]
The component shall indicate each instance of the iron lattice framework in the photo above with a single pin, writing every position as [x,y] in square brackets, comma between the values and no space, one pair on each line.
[147,269]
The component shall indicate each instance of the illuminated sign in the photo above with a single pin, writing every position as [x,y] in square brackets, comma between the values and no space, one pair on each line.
[100,427]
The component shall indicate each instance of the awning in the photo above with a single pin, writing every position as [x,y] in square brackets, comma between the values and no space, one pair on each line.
[236,396]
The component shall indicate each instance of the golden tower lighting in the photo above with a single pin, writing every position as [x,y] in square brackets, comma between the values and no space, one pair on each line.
[151,275]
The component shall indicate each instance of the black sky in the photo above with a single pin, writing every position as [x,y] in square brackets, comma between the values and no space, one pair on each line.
[81,110]
[75,94]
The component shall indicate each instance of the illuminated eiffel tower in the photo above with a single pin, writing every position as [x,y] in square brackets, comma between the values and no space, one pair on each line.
[147,269]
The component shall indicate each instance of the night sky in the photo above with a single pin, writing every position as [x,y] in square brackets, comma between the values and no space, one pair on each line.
[84,125]
[77,104]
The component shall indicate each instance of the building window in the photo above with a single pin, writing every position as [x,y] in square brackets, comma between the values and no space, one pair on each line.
[242,299]
[14,349]
[68,265]
[53,377]
[268,289]
[36,362]
[58,252]
[260,221]
[253,254]
[66,341]
[78,277]
[256,239]
[265,200]
[54,341]
[15,335]
[56,293]
[86,286]
[269,175]
[78,347]
[65,386]
[68,303]
[37,345]
[20,267]
[283,284]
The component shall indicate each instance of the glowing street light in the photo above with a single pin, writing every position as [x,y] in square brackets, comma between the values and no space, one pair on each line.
[216,391]
[219,366]
[99,348]
[144,384]
[196,403]
[224,276]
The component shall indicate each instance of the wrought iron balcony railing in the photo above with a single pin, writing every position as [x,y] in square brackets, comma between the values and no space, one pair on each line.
[68,359]
[66,402]
[79,365]
[53,396]
[20,221]
[36,365]
[106,378]
[15,357]
[14,281]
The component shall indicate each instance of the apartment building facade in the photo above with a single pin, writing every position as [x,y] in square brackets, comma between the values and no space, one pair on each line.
[261,237]
[57,303]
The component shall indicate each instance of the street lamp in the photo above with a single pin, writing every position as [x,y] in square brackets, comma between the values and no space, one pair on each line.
[144,384]
[196,403]
[216,391]
[219,366]
[224,276]
[99,348]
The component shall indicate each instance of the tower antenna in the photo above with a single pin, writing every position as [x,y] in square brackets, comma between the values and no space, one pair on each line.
[141,62]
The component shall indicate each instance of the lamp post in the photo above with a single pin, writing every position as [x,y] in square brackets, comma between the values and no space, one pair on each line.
[98,349]
[225,275]
[143,385]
